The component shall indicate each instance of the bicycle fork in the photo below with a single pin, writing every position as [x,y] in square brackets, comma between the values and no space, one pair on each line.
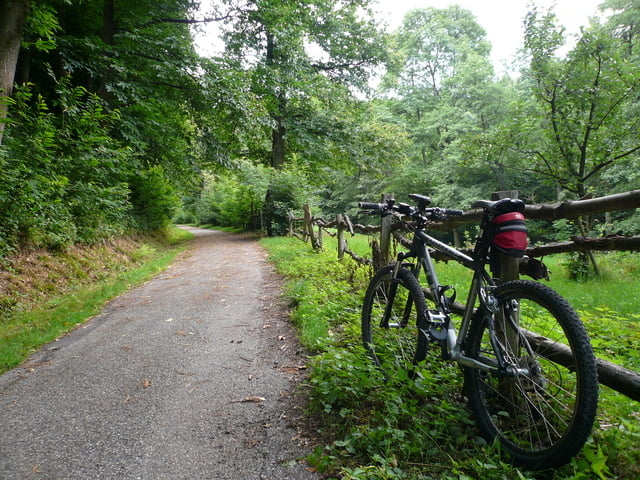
[391,295]
[506,362]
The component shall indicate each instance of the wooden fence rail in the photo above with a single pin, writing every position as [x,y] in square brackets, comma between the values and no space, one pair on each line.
[567,209]
[614,376]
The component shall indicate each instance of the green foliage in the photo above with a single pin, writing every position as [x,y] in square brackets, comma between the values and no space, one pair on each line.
[421,428]
[302,71]
[582,125]
[233,198]
[63,179]
[153,199]
[253,196]
[287,192]
[322,310]
[41,27]
[619,271]
[134,95]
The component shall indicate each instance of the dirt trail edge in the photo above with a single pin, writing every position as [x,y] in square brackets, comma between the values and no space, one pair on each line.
[190,376]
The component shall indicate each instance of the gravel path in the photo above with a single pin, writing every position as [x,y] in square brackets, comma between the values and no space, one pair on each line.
[190,376]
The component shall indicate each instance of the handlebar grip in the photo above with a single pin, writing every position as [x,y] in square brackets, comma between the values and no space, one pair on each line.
[450,211]
[370,206]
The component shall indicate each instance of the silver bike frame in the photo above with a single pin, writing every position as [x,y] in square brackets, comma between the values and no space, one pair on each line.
[454,340]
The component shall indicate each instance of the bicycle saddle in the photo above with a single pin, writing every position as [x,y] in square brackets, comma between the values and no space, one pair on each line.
[498,207]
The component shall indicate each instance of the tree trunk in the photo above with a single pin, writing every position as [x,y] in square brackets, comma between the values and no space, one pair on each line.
[108,36]
[278,145]
[278,142]
[12,16]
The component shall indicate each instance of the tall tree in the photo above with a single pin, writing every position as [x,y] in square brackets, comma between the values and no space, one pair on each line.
[107,126]
[441,85]
[584,101]
[292,48]
[13,14]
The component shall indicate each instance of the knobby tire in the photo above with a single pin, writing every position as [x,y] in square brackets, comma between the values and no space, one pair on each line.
[393,343]
[541,419]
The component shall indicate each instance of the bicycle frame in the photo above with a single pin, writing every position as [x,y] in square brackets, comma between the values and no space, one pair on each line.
[480,288]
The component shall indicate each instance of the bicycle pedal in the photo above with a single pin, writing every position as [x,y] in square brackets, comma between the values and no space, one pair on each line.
[438,333]
[437,325]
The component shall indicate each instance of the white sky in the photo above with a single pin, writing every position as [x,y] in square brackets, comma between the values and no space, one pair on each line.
[501,19]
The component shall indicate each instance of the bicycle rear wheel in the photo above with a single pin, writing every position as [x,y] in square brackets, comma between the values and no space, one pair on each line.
[542,417]
[391,313]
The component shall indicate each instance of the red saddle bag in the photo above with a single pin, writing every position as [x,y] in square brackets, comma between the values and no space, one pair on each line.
[510,235]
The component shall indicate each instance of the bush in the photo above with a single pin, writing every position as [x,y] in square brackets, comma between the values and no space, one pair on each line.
[62,175]
[153,199]
[287,193]
[231,199]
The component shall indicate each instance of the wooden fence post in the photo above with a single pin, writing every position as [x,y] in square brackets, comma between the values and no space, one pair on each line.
[308,226]
[508,267]
[385,235]
[341,242]
[291,222]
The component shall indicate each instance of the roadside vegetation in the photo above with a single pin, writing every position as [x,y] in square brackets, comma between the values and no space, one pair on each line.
[421,429]
[44,294]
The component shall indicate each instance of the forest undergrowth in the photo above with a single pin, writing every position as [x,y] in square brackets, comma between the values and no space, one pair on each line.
[422,428]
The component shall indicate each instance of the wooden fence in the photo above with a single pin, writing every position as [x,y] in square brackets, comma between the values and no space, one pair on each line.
[625,381]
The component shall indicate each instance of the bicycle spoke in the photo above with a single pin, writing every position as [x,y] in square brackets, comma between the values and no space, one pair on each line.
[389,321]
[542,399]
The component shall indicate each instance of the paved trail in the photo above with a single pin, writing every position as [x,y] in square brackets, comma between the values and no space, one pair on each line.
[153,387]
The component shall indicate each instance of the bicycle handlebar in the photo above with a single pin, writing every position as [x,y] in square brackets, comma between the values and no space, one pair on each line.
[371,206]
[421,212]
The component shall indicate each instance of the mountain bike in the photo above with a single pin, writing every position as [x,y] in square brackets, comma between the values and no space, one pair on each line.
[529,370]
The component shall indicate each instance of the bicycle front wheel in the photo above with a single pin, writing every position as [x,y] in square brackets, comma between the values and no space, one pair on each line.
[392,310]
[542,415]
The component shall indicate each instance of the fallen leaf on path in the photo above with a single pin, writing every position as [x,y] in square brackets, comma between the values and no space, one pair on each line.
[251,399]
[254,399]
[146,383]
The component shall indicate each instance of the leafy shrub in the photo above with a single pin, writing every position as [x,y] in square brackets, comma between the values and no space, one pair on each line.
[63,176]
[252,196]
[233,198]
[153,199]
[286,194]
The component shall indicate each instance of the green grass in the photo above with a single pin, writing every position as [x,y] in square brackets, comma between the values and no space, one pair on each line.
[22,333]
[620,274]
[322,307]
[394,429]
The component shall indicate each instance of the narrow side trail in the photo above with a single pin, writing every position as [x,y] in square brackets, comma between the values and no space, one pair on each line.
[190,376]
